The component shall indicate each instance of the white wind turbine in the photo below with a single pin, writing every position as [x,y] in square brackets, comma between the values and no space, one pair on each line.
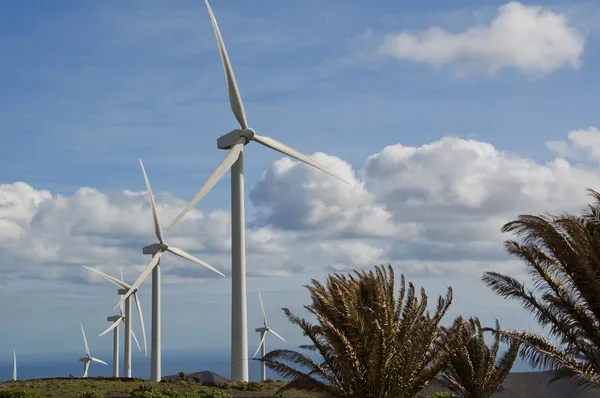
[157,250]
[123,317]
[263,334]
[88,358]
[14,365]
[234,141]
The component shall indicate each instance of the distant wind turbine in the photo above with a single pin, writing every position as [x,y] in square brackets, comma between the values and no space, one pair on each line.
[263,334]
[157,250]
[14,365]
[88,358]
[123,317]
[234,141]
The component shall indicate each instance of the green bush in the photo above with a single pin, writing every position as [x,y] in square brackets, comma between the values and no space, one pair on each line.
[90,394]
[19,394]
[281,395]
[214,394]
[440,395]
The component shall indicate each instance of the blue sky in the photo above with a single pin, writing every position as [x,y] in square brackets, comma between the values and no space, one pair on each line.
[87,88]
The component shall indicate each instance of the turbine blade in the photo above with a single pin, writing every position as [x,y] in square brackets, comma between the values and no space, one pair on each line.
[157,228]
[275,334]
[262,341]
[193,259]
[141,278]
[286,150]
[234,94]
[122,279]
[262,308]
[139,310]
[98,360]
[111,327]
[229,160]
[87,349]
[114,280]
[136,341]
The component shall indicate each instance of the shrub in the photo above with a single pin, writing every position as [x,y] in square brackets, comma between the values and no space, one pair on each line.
[90,394]
[197,379]
[254,386]
[281,395]
[440,395]
[214,394]
[19,394]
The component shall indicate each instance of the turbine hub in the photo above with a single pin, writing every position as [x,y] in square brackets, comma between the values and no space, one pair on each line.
[248,134]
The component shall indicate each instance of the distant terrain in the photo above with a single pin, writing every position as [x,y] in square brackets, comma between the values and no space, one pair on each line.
[516,385]
[533,385]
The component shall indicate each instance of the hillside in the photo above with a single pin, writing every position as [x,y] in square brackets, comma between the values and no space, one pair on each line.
[533,385]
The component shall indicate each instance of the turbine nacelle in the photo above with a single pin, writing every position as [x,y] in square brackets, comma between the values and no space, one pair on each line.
[260,330]
[228,140]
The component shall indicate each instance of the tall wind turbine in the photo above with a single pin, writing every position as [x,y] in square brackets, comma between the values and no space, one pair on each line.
[263,334]
[14,365]
[88,358]
[123,317]
[157,250]
[234,141]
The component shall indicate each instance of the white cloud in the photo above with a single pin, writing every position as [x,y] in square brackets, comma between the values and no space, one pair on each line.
[531,39]
[579,144]
[434,209]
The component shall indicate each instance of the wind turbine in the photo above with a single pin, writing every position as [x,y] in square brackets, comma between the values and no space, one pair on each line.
[123,317]
[14,365]
[234,141]
[263,334]
[157,250]
[88,358]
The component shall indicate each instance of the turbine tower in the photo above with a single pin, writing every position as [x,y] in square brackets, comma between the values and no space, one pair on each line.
[14,365]
[234,141]
[157,250]
[263,334]
[123,317]
[88,358]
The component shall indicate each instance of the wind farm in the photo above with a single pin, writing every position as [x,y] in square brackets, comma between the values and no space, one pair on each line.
[410,206]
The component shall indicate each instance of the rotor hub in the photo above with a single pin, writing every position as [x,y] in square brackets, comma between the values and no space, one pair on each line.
[248,134]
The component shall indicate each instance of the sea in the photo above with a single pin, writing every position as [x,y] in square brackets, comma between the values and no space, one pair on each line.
[31,367]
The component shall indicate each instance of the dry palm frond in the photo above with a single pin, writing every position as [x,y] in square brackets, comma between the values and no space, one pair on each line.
[562,256]
[370,342]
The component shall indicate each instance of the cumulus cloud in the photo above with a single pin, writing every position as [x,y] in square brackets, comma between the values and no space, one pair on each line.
[433,209]
[531,39]
[580,144]
[51,237]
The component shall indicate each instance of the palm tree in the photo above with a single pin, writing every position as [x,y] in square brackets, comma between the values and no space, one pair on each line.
[562,255]
[368,342]
[474,371]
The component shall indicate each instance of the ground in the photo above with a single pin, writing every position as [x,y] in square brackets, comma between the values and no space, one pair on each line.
[120,388]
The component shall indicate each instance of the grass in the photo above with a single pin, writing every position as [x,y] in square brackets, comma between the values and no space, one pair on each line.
[121,388]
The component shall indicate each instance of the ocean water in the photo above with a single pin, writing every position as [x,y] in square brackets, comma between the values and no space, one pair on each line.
[32,368]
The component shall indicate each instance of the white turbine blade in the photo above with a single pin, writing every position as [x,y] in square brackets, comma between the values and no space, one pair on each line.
[141,278]
[286,150]
[111,327]
[139,310]
[122,278]
[114,280]
[86,367]
[275,334]
[14,365]
[98,360]
[87,349]
[157,228]
[262,308]
[136,341]
[229,160]
[234,94]
[193,259]
[262,341]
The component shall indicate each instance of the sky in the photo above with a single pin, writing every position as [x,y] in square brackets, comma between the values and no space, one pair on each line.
[449,119]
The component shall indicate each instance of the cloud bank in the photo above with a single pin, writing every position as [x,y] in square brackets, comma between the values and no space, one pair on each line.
[433,209]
